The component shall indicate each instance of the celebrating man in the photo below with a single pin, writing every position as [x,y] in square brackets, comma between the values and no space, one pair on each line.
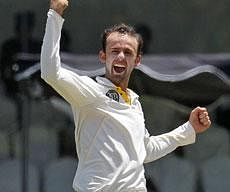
[111,139]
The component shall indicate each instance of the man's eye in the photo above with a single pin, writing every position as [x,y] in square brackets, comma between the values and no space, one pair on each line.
[115,51]
[128,53]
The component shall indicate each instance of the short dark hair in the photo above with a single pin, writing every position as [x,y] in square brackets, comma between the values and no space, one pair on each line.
[123,29]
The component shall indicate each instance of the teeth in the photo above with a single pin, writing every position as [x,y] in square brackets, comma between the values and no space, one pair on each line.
[118,65]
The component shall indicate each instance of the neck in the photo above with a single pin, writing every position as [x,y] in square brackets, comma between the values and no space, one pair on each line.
[122,84]
[123,88]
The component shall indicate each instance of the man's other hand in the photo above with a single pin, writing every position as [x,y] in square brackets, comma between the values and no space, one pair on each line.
[199,119]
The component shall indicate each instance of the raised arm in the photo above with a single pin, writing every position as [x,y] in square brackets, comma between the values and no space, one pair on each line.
[50,59]
[77,90]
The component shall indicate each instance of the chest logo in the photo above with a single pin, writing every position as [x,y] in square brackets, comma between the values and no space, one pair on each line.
[113,95]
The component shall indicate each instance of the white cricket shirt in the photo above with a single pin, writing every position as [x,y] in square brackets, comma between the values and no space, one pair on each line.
[111,140]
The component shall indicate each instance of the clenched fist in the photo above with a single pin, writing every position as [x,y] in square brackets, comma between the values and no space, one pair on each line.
[199,119]
[59,5]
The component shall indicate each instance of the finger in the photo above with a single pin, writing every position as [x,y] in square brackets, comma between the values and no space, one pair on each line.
[203,114]
[206,117]
[199,110]
[205,121]
[202,109]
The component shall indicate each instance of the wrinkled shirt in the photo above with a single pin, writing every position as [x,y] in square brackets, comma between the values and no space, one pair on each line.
[111,139]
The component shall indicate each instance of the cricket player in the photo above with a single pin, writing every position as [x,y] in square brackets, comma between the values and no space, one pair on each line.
[111,139]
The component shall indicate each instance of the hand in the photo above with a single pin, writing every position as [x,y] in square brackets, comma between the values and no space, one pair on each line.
[199,119]
[59,5]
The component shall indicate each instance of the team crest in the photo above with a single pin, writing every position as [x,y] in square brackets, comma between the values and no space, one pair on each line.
[113,95]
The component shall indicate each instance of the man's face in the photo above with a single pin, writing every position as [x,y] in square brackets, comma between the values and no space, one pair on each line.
[120,57]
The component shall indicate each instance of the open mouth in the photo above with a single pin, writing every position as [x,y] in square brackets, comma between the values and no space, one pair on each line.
[119,68]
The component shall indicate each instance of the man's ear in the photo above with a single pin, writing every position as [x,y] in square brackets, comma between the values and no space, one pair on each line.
[138,60]
[102,56]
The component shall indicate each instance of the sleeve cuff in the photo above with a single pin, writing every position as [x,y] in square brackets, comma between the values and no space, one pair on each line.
[58,17]
[185,134]
[189,132]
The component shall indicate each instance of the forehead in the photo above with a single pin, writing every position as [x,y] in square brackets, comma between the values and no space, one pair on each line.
[116,39]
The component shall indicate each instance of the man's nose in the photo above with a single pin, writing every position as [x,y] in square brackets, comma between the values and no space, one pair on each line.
[121,55]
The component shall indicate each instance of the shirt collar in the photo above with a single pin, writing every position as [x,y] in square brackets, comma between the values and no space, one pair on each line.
[106,82]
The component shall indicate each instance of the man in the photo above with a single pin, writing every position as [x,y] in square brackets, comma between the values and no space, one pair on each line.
[111,140]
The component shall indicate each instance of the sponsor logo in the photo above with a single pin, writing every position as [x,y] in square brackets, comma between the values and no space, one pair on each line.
[113,95]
